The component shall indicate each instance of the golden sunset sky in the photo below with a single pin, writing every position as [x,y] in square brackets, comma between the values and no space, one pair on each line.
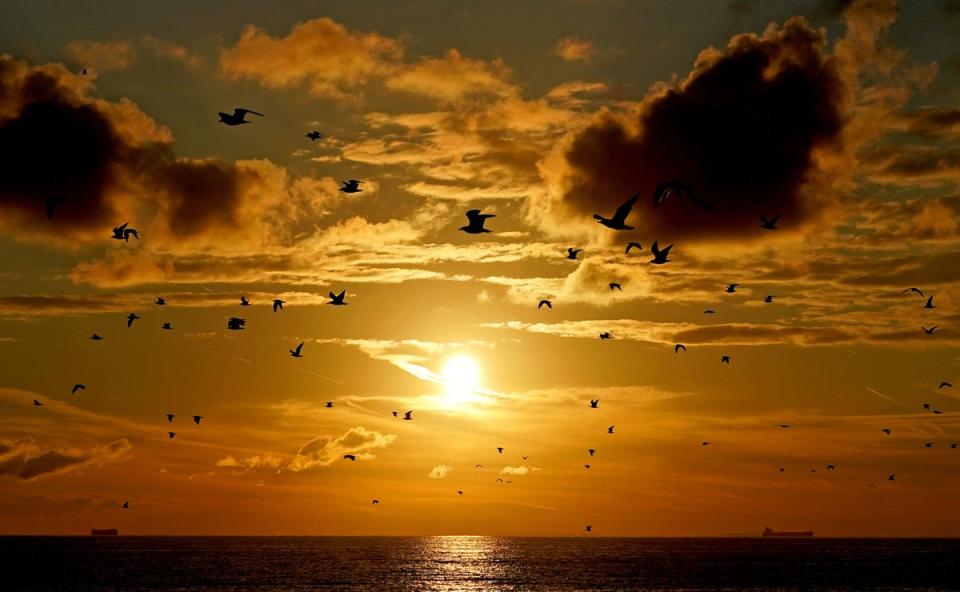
[841,117]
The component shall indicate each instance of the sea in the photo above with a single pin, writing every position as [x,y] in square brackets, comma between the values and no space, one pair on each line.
[453,563]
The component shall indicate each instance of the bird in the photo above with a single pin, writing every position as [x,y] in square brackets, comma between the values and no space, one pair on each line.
[37,403]
[500,449]
[594,403]
[926,406]
[953,444]
[709,311]
[782,469]
[783,425]
[460,492]
[615,286]
[704,443]
[478,467]
[769,223]
[928,444]
[572,253]
[725,359]
[244,301]
[170,417]
[95,337]
[937,412]
[619,219]
[917,290]
[197,418]
[235,323]
[375,502]
[886,431]
[123,233]
[78,387]
[637,246]
[238,117]
[167,326]
[296,352]
[659,256]
[350,186]
[588,528]
[125,506]
[160,301]
[586,467]
[314,135]
[663,190]
[395,413]
[476,220]
[278,304]
[591,451]
[408,416]
[930,330]
[768,298]
[944,384]
[352,457]
[731,288]
[891,477]
[83,72]
[328,404]
[929,303]
[337,299]
[610,429]
[170,435]
[605,335]
[678,347]
[131,318]
[543,303]
[831,467]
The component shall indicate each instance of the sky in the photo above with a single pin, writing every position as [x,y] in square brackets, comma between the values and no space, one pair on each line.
[838,117]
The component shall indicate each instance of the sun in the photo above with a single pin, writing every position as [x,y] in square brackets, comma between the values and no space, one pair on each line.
[461,375]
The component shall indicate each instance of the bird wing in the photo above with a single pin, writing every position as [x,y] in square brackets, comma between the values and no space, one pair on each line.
[238,112]
[624,210]
[341,294]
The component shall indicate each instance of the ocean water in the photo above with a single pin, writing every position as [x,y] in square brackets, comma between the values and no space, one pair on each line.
[133,564]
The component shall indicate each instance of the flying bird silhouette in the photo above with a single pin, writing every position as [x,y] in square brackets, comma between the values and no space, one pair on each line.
[610,429]
[131,318]
[594,403]
[337,299]
[125,506]
[460,492]
[831,467]
[95,337]
[704,443]
[350,186]
[170,435]
[709,311]
[659,256]
[376,501]
[619,219]
[891,477]
[731,288]
[160,301]
[314,135]
[244,301]
[783,425]
[123,233]
[170,417]
[725,359]
[930,330]
[328,405]
[296,352]
[769,223]
[235,323]
[197,418]
[167,326]
[572,253]
[37,403]
[408,416]
[476,220]
[546,303]
[591,451]
[929,303]
[278,304]
[615,286]
[928,444]
[944,384]
[768,298]
[678,347]
[926,406]
[238,117]
[78,387]
[664,190]
[588,528]
[586,467]
[605,335]
[500,449]
[917,290]
[886,431]
[637,246]
[352,457]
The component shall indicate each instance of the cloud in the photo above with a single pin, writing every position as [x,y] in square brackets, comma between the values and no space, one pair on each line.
[103,55]
[320,54]
[453,78]
[252,463]
[573,49]
[323,451]
[522,470]
[440,471]
[23,459]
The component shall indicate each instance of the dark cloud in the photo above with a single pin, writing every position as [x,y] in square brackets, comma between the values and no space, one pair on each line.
[743,130]
[23,459]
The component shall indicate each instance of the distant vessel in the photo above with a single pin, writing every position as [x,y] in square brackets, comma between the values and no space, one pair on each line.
[767,532]
[104,532]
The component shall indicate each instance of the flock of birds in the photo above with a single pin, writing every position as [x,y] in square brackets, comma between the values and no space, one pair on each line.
[476,224]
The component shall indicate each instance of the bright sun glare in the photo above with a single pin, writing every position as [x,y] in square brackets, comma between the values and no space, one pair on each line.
[460,375]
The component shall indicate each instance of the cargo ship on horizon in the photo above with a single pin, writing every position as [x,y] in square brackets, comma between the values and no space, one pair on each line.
[104,532]
[768,532]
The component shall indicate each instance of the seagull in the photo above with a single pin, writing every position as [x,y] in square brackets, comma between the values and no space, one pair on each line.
[351,186]
[278,304]
[683,190]
[586,467]
[546,303]
[125,506]
[296,352]
[588,528]
[238,116]
[235,323]
[917,290]
[769,223]
[768,298]
[160,301]
[783,425]
[167,326]
[123,233]
[926,406]
[637,246]
[953,444]
[352,457]
[395,413]
[594,403]
[782,469]
[615,286]
[478,467]
[891,477]
[605,335]
[610,429]
[591,451]
[731,288]
[704,443]
[95,337]
[197,418]
[831,467]
[619,219]
[170,417]
[83,72]
[709,311]
[244,301]
[659,257]
[131,318]
[476,220]
[376,501]
[930,330]
[944,385]
[314,135]
[937,412]
[572,253]
[170,435]
[328,405]
[37,403]
[500,449]
[725,359]
[459,492]
[928,444]
[408,416]
[337,299]
[78,387]
[929,303]
[886,431]
[678,347]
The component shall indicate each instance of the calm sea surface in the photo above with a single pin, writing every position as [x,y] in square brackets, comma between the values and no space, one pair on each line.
[132,564]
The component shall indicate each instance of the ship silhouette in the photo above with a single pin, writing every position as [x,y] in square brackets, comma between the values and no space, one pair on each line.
[768,532]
